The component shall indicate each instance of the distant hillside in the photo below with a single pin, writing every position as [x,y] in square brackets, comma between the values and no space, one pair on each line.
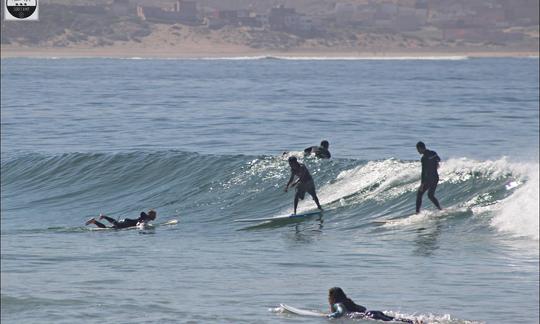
[354,25]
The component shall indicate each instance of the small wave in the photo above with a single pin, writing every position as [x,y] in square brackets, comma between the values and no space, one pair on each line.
[373,58]
[275,57]
[339,58]
[519,213]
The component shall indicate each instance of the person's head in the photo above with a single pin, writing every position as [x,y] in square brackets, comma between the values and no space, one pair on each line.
[421,147]
[293,162]
[336,295]
[325,144]
[152,214]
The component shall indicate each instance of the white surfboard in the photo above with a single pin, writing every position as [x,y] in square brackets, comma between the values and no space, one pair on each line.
[302,312]
[146,225]
[170,222]
[278,218]
[423,216]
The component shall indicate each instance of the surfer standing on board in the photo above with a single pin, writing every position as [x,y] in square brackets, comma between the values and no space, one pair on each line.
[430,177]
[127,222]
[319,151]
[303,184]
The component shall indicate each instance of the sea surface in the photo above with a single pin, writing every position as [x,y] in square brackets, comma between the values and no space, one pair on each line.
[202,141]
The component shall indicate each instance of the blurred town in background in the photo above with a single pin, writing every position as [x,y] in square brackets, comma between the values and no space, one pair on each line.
[375,25]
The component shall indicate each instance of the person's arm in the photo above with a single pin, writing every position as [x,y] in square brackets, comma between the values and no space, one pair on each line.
[308,150]
[340,311]
[143,217]
[290,180]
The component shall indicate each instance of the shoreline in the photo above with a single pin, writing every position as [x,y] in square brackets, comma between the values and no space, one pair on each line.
[127,52]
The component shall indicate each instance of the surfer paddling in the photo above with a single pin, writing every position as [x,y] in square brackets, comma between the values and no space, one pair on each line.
[303,184]
[341,305]
[319,151]
[430,177]
[144,218]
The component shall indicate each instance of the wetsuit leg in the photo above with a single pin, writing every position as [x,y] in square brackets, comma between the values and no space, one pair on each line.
[301,191]
[309,187]
[378,315]
[110,220]
[300,194]
[419,195]
[313,195]
[431,194]
[99,224]
[295,202]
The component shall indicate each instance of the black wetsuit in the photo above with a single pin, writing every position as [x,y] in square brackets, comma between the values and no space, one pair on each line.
[430,178]
[304,184]
[349,307]
[125,223]
[319,151]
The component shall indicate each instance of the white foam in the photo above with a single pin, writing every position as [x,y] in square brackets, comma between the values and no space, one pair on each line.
[519,213]
[463,169]
[431,318]
[370,58]
[299,58]
[382,176]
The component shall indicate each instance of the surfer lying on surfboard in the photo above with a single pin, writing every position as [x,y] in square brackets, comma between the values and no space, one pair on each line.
[320,151]
[303,184]
[127,222]
[341,305]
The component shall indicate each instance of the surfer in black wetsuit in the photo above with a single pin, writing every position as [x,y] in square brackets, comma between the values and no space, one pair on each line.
[341,305]
[127,222]
[430,177]
[319,151]
[303,184]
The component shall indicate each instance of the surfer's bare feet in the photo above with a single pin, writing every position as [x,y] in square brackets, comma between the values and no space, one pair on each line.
[90,221]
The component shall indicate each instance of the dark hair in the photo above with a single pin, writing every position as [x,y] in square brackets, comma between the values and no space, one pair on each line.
[420,145]
[325,144]
[337,295]
[292,159]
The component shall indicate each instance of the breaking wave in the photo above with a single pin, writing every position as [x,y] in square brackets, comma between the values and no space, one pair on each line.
[223,188]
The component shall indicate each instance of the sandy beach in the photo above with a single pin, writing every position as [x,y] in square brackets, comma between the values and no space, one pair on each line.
[126,36]
[167,42]
[126,51]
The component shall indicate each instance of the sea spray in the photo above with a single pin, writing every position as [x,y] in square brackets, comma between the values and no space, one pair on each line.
[519,213]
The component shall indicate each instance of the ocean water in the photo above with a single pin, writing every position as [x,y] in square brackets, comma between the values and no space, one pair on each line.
[201,141]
